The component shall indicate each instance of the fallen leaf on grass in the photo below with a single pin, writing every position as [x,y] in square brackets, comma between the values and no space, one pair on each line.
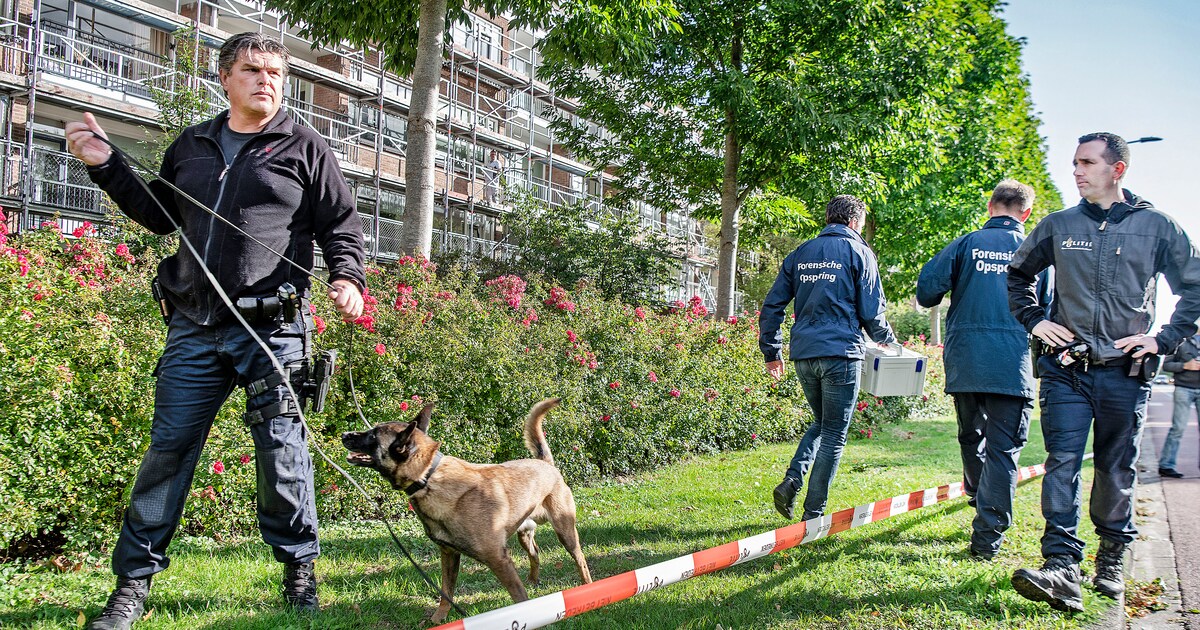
[1143,598]
[66,566]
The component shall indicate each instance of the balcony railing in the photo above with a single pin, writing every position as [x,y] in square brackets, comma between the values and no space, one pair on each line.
[14,46]
[10,170]
[121,69]
[61,181]
[339,130]
[124,72]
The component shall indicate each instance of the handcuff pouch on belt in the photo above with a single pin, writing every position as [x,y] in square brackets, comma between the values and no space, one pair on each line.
[1145,367]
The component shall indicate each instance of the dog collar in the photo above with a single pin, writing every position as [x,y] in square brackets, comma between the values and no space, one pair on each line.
[418,486]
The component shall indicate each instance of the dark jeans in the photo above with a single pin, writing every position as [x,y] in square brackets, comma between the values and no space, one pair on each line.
[197,372]
[1117,404]
[992,429]
[831,387]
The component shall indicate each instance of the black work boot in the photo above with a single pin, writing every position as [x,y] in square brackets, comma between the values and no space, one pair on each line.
[1056,583]
[1110,569]
[125,605]
[300,586]
[981,556]
[785,497]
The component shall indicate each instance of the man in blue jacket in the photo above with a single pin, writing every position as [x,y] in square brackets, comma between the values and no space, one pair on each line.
[987,359]
[1107,253]
[834,281]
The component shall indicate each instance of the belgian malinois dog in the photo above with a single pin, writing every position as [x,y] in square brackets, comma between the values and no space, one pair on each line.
[474,508]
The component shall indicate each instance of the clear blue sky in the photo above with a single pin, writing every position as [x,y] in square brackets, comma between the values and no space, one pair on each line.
[1131,67]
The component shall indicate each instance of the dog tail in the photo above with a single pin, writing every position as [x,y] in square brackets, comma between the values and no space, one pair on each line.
[535,440]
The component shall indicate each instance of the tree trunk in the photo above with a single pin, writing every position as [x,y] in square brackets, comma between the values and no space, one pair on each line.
[730,203]
[730,207]
[416,235]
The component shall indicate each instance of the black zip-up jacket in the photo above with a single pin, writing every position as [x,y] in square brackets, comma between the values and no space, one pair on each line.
[1106,267]
[284,187]
[1190,349]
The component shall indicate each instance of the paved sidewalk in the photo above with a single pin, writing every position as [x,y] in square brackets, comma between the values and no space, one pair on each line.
[1168,545]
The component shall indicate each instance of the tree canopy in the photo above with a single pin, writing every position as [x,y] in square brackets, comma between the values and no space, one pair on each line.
[786,103]
[992,135]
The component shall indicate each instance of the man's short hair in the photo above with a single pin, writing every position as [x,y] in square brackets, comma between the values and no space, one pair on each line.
[844,209]
[1115,147]
[243,43]
[1012,195]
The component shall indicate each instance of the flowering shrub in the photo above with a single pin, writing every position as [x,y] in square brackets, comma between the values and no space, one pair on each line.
[76,320]
[79,336]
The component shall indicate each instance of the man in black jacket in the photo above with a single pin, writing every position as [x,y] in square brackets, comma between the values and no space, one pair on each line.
[278,181]
[1185,363]
[1107,253]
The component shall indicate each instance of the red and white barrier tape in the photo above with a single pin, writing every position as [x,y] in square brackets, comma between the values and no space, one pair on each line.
[548,609]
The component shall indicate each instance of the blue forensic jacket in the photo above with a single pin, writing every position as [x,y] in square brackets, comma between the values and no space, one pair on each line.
[834,281]
[987,349]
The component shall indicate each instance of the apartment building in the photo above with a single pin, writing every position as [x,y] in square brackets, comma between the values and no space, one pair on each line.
[59,58]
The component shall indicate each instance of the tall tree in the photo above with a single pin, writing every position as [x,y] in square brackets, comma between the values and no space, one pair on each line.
[786,102]
[412,35]
[992,135]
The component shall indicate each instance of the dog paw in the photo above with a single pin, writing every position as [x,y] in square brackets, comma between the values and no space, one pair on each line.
[434,617]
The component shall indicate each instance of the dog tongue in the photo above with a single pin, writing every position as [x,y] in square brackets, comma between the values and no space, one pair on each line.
[358,458]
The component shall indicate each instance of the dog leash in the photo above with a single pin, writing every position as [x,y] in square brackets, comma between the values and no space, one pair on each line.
[275,364]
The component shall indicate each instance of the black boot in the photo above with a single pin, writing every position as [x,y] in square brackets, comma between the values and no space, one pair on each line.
[300,586]
[125,605]
[785,497]
[1056,583]
[1110,569]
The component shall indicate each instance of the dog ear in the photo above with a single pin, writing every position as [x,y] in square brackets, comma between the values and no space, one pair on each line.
[422,420]
[399,448]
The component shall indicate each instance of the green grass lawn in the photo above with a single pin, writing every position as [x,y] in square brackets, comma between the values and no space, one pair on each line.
[909,571]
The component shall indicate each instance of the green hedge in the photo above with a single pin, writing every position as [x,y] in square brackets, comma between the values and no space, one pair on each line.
[79,338]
